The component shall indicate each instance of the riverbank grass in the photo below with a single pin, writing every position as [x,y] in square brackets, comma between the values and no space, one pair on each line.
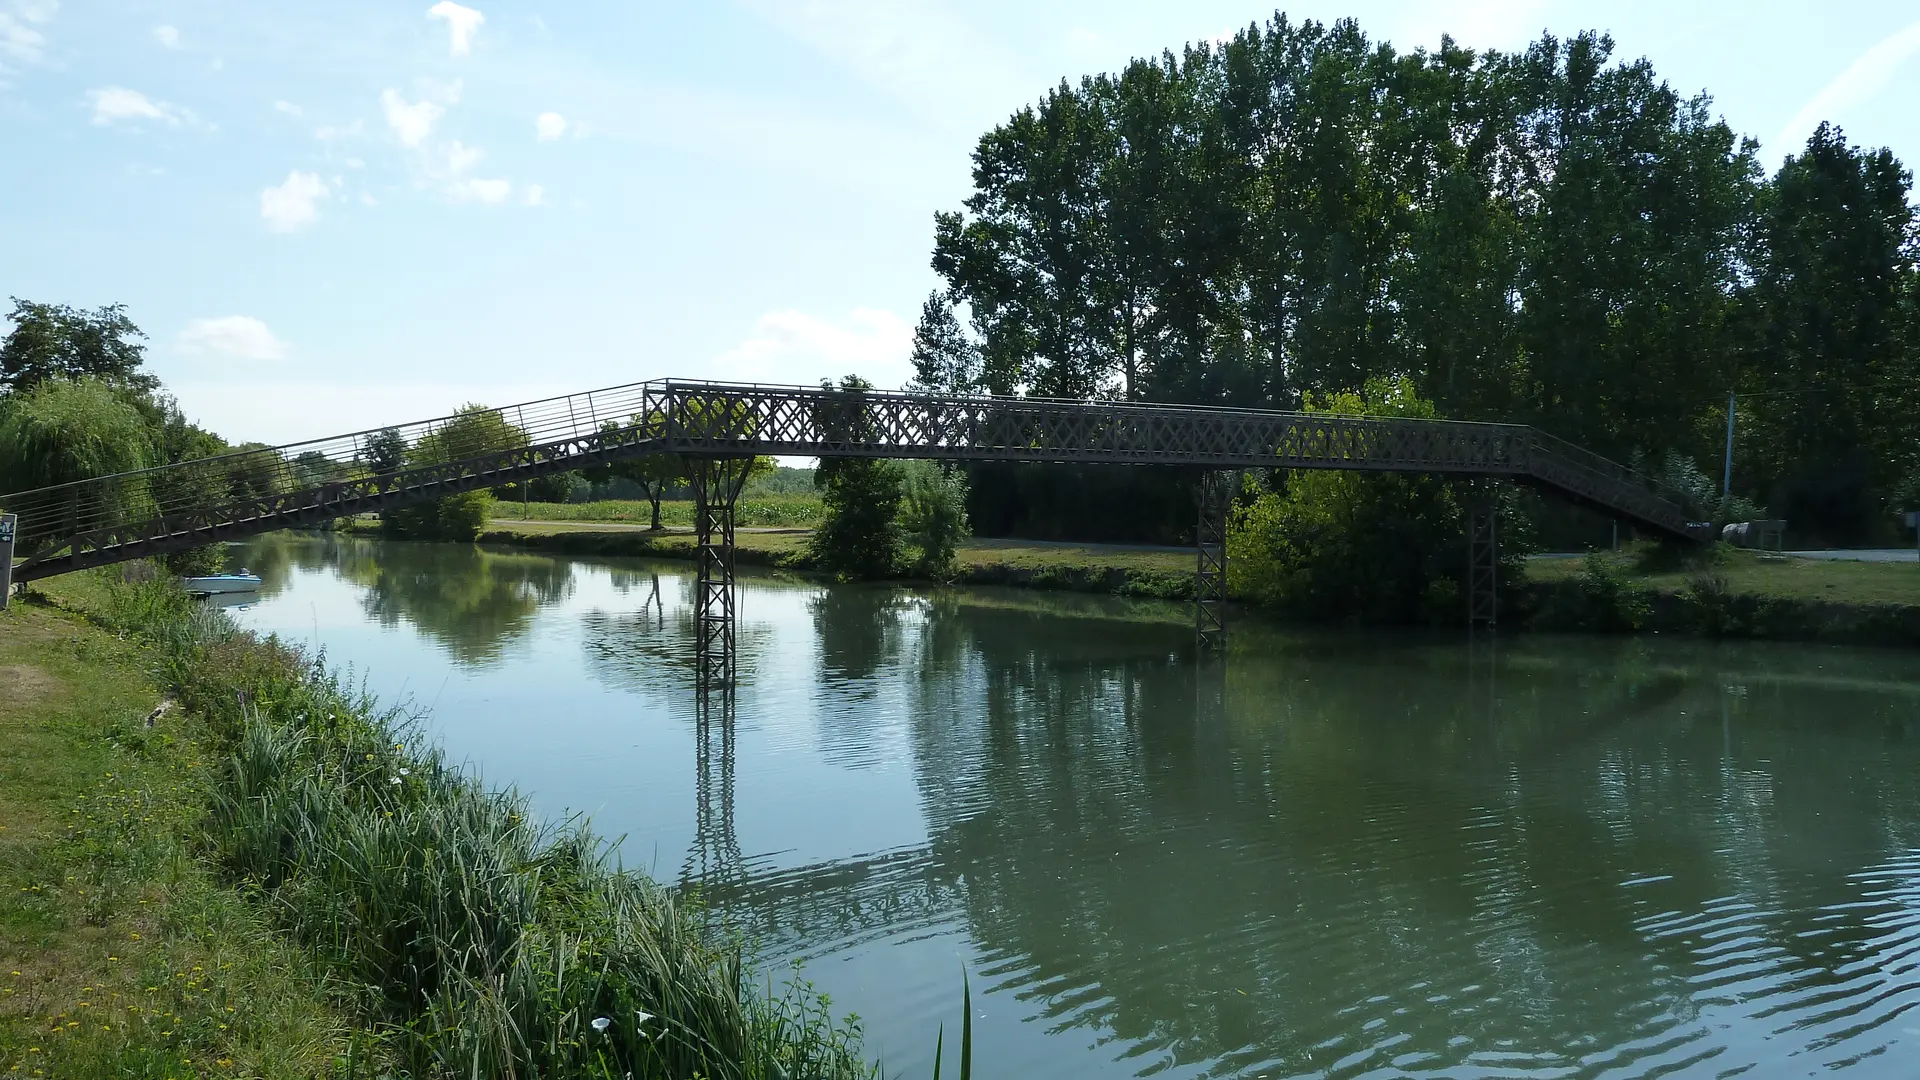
[463,936]
[121,953]
[1747,573]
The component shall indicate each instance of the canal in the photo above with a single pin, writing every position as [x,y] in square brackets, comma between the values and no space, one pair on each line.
[1333,854]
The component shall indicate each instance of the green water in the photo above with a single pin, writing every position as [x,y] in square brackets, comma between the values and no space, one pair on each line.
[1330,855]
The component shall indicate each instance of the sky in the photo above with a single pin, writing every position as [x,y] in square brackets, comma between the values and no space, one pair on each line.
[334,216]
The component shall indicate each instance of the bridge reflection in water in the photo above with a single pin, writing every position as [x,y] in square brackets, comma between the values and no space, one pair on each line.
[1331,853]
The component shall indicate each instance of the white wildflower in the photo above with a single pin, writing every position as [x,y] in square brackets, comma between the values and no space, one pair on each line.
[601,1023]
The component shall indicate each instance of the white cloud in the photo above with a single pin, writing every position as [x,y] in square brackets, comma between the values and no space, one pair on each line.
[461,157]
[288,108]
[462,24]
[411,123]
[791,346]
[115,103]
[167,36]
[331,133]
[492,192]
[536,195]
[549,126]
[240,336]
[1866,77]
[354,163]
[18,38]
[293,204]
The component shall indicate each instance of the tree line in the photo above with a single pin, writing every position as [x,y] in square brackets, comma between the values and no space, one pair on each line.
[1547,236]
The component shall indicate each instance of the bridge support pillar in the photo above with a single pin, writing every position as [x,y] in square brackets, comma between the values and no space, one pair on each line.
[716,487]
[1483,562]
[1215,496]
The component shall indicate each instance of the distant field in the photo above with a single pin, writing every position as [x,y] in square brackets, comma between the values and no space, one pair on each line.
[754,511]
[1030,555]
[1021,554]
[1754,573]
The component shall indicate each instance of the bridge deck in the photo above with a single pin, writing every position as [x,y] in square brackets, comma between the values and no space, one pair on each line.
[155,511]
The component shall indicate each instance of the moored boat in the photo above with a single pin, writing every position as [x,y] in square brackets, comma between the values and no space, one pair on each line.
[220,584]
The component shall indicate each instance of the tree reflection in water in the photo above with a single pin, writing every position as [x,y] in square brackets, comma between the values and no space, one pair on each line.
[1339,848]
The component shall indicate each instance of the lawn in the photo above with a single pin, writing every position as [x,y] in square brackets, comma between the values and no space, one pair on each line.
[801,509]
[1756,573]
[120,954]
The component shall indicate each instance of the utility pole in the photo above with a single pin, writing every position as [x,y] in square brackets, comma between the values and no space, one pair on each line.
[8,523]
[1726,477]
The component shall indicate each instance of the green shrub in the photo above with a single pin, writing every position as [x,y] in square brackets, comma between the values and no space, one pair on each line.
[1362,547]
[457,519]
[197,562]
[859,535]
[933,516]
[1711,605]
[1598,600]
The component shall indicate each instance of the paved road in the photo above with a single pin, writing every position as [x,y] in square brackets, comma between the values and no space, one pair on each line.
[1861,555]
[628,526]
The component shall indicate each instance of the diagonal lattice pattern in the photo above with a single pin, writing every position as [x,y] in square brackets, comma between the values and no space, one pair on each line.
[133,515]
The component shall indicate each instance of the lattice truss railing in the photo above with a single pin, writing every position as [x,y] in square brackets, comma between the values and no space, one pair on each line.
[132,515]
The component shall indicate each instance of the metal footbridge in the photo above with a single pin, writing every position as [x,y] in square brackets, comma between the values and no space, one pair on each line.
[718,426]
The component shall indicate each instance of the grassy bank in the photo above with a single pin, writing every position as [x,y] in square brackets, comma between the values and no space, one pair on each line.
[753,511]
[1752,573]
[123,952]
[1725,592]
[282,880]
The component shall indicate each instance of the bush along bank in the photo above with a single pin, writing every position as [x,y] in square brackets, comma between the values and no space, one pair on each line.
[475,939]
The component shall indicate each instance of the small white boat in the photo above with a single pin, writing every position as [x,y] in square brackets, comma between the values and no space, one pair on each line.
[220,584]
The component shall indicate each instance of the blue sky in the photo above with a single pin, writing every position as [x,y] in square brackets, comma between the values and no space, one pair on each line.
[331,216]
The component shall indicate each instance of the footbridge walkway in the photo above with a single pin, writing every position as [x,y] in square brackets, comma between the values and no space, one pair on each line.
[718,426]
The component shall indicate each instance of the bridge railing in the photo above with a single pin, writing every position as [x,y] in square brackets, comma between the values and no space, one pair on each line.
[1608,481]
[249,489]
[250,475]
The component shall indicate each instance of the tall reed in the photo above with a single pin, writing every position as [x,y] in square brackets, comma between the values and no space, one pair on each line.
[485,942]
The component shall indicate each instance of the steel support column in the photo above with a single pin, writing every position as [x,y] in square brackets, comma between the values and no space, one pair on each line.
[1215,496]
[1483,562]
[716,487]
